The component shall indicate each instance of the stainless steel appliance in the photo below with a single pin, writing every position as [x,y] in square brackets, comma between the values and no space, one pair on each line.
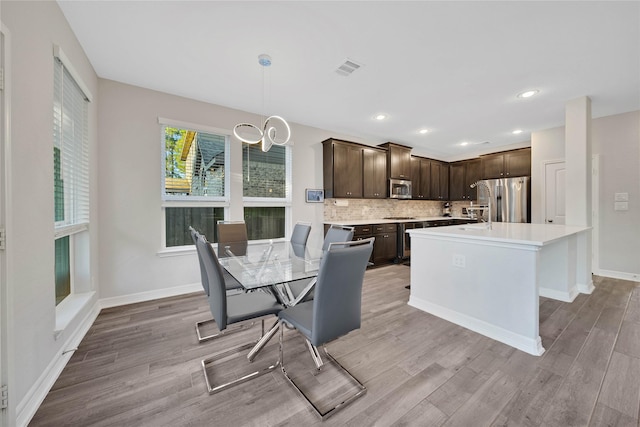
[404,240]
[399,189]
[510,199]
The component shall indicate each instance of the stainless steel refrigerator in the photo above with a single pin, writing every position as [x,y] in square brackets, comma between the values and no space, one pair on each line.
[510,199]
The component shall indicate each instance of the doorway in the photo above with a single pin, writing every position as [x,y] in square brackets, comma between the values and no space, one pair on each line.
[554,192]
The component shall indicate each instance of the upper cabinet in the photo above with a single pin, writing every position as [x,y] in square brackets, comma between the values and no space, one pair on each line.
[352,170]
[374,173]
[439,185]
[461,175]
[420,178]
[398,160]
[342,169]
[507,164]
[472,173]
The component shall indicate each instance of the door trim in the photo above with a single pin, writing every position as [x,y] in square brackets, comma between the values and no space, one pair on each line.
[543,193]
[7,375]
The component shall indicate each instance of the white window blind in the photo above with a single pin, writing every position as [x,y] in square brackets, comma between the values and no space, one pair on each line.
[71,152]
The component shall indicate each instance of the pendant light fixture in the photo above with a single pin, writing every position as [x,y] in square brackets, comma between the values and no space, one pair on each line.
[267,135]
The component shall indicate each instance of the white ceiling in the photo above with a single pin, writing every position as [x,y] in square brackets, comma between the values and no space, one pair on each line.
[452,67]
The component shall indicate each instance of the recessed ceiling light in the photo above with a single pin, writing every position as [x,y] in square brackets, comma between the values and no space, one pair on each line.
[528,94]
[423,131]
[464,144]
[380,116]
[517,131]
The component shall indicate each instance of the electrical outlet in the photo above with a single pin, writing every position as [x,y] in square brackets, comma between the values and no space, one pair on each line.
[458,261]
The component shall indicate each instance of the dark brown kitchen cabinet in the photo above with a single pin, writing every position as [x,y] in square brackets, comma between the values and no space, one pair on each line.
[457,181]
[374,172]
[385,247]
[398,160]
[507,164]
[363,232]
[439,185]
[421,177]
[342,169]
[461,175]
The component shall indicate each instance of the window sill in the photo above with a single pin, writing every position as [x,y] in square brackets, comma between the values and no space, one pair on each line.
[69,308]
[176,251]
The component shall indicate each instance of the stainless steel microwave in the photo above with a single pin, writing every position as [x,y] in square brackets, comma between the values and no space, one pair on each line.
[399,189]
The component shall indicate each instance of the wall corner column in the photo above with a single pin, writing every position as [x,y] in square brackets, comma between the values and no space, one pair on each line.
[578,203]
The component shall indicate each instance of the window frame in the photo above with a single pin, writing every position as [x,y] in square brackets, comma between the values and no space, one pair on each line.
[180,201]
[276,202]
[227,201]
[80,208]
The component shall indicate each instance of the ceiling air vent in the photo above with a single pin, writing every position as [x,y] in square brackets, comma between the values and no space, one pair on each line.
[347,68]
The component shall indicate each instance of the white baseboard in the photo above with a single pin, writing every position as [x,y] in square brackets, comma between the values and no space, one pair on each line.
[26,409]
[634,277]
[149,295]
[527,344]
[558,295]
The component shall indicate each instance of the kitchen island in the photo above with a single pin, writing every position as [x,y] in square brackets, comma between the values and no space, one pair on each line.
[489,280]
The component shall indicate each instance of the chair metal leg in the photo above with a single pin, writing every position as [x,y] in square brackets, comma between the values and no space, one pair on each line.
[361,389]
[315,355]
[212,389]
[239,328]
[263,341]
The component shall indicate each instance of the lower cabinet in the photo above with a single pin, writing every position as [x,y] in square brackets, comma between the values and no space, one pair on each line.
[385,244]
[385,247]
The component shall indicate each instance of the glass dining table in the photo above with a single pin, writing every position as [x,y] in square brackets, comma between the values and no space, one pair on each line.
[268,264]
[271,266]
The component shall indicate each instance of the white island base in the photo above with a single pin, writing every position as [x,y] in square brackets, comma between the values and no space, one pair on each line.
[489,280]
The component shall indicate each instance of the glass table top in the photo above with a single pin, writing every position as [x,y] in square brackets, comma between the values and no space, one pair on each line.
[267,264]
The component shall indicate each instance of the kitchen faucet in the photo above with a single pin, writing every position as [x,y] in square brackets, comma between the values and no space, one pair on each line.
[474,185]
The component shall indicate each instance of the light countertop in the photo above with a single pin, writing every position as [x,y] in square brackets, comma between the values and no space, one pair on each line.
[518,233]
[352,222]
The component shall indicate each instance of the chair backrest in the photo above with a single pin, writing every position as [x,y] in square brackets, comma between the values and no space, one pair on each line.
[338,292]
[215,278]
[337,233]
[233,236]
[300,233]
[203,273]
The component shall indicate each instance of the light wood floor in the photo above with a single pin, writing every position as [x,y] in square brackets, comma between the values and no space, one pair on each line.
[139,365]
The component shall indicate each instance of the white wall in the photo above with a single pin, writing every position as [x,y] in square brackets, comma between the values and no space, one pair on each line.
[130,190]
[546,145]
[616,140]
[33,351]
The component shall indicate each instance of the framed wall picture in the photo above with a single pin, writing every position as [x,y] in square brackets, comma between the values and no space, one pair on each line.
[314,196]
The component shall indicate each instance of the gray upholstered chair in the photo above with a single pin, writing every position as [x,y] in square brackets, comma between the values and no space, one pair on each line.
[335,309]
[230,309]
[232,238]
[300,233]
[230,283]
[337,233]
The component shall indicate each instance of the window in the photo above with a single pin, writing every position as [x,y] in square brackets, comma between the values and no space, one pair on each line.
[194,182]
[266,188]
[70,170]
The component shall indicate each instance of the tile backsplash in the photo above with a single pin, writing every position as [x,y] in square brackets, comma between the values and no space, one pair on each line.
[358,209]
